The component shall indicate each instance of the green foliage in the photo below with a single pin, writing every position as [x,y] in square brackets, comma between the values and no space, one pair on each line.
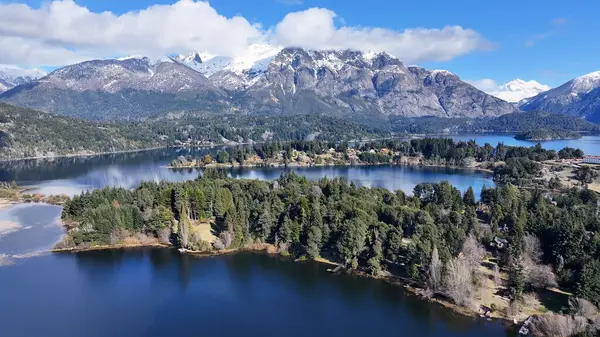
[547,134]
[588,285]
[366,228]
[570,153]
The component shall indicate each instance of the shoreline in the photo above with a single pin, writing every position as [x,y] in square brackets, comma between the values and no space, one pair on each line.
[252,166]
[268,249]
[84,155]
[404,136]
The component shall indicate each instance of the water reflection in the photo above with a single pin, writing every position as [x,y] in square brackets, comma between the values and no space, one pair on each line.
[38,229]
[72,176]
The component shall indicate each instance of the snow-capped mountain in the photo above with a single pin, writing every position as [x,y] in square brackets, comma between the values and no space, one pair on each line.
[578,97]
[356,83]
[11,76]
[232,73]
[518,89]
[130,87]
[266,80]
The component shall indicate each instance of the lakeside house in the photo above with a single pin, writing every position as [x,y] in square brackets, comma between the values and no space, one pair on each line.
[588,159]
[499,243]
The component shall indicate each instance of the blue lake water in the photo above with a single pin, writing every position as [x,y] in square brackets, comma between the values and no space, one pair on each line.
[158,292]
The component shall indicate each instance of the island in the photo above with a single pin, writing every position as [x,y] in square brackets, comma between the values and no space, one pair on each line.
[547,134]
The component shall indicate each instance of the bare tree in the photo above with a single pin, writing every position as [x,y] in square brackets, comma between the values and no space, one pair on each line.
[458,281]
[596,323]
[531,300]
[539,276]
[556,325]
[512,310]
[224,241]
[473,252]
[435,271]
[532,248]
[582,307]
[163,235]
[497,279]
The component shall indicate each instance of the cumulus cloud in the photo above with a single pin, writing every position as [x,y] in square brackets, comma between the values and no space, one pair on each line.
[315,28]
[486,84]
[63,26]
[61,32]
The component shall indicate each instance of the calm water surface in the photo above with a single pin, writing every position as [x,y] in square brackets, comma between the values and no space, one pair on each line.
[157,292]
[73,175]
[589,144]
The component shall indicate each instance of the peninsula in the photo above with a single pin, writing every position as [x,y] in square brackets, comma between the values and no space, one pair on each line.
[547,134]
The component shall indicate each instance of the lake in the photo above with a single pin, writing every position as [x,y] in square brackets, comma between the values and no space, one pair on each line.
[73,175]
[158,292]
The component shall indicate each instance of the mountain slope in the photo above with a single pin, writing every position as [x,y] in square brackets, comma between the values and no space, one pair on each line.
[267,80]
[578,97]
[30,133]
[460,99]
[357,84]
[130,88]
[11,76]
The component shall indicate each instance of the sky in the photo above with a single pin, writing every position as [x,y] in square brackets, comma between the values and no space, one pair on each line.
[485,42]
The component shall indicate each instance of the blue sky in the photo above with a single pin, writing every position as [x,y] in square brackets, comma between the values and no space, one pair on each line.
[548,41]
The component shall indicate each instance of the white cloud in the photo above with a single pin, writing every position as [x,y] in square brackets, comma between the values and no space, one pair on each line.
[485,84]
[315,28]
[64,26]
[62,32]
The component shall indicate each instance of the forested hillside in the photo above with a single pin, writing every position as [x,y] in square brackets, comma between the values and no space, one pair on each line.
[30,133]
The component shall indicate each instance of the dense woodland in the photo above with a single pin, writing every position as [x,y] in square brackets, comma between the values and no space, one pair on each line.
[29,133]
[547,134]
[520,165]
[365,228]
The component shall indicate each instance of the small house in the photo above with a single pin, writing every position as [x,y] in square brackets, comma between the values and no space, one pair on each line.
[499,243]
[587,159]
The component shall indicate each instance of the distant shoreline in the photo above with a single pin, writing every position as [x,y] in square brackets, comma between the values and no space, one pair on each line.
[406,136]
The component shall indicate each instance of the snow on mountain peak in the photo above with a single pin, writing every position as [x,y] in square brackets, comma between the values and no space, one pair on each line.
[586,83]
[11,76]
[15,71]
[256,58]
[518,89]
[193,57]
[441,71]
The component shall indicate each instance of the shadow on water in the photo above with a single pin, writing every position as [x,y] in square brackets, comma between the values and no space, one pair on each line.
[145,292]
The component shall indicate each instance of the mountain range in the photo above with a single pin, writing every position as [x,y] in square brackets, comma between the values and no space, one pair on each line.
[266,81]
[12,76]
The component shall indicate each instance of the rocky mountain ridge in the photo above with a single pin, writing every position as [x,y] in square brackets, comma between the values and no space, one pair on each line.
[268,81]
[578,97]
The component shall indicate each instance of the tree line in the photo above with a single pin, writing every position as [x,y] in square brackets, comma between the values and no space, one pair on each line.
[439,151]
